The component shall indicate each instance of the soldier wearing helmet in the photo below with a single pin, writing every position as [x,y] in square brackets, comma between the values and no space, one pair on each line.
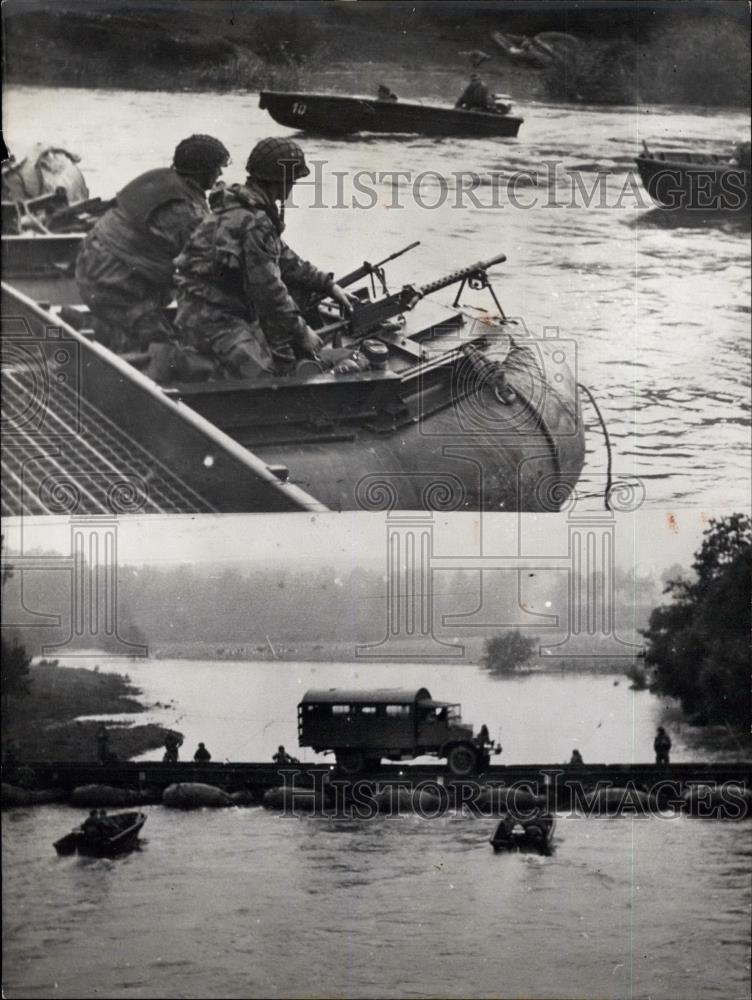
[125,266]
[239,285]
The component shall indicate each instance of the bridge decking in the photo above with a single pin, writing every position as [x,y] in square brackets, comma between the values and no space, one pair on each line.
[235,776]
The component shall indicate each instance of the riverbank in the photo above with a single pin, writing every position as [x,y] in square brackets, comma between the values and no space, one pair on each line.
[302,651]
[45,724]
[420,50]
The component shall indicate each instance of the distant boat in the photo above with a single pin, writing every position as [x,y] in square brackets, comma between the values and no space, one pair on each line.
[695,181]
[331,114]
[535,834]
[115,834]
[548,48]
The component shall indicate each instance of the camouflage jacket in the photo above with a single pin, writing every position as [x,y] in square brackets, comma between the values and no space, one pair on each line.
[237,263]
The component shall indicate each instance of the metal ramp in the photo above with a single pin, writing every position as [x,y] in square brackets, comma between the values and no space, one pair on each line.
[85,433]
[83,462]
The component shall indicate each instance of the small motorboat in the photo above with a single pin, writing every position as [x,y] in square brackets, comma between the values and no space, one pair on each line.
[534,834]
[697,182]
[332,114]
[103,836]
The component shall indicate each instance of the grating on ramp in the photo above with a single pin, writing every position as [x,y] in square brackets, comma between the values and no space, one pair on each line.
[61,455]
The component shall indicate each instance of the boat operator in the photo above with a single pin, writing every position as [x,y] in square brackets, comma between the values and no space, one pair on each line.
[238,283]
[125,269]
[475,97]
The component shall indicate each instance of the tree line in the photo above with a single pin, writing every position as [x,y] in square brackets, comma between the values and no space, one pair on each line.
[697,642]
[241,605]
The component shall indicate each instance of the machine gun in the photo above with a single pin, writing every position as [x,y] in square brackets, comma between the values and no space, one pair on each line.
[367,270]
[53,213]
[369,315]
[34,212]
[81,214]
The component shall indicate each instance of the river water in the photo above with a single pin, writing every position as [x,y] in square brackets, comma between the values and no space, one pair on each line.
[248,903]
[653,306]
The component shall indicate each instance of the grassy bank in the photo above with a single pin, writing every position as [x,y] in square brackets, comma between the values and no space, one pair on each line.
[44,723]
[301,651]
[682,53]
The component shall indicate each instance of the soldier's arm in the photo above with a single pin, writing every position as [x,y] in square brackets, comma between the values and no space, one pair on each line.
[301,273]
[276,309]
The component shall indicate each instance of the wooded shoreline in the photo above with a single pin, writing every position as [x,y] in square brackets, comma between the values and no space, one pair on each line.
[696,55]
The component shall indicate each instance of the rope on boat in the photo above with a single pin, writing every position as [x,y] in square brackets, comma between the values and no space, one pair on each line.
[607,490]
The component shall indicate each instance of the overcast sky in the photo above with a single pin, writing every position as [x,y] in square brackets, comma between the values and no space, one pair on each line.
[650,541]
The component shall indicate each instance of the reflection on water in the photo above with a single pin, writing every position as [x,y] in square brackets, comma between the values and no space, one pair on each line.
[658,307]
[254,709]
[245,903]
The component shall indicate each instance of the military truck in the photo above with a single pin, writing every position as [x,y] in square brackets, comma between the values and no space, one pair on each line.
[362,727]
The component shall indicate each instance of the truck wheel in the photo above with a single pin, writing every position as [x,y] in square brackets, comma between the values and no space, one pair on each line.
[462,760]
[350,762]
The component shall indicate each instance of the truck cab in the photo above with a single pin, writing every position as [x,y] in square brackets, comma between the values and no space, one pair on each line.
[362,727]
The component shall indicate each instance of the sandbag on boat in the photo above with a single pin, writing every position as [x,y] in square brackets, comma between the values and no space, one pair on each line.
[43,170]
[105,795]
[615,801]
[293,799]
[194,795]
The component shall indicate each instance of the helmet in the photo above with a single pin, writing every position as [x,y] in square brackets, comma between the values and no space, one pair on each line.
[199,153]
[277,160]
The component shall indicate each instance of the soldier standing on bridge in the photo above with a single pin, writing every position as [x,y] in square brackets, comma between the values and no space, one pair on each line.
[661,745]
[202,755]
[173,742]
[238,281]
[283,757]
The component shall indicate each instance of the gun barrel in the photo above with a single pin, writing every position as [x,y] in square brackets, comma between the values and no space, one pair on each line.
[398,253]
[366,268]
[360,272]
[370,314]
[461,274]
